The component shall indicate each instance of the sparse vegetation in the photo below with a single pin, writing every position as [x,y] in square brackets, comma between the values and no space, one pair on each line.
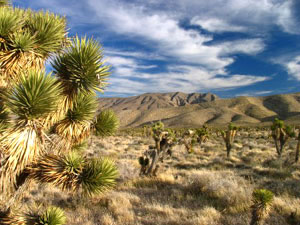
[46,121]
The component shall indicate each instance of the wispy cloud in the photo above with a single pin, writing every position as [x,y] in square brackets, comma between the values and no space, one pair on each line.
[293,67]
[217,25]
[184,78]
[255,93]
[201,60]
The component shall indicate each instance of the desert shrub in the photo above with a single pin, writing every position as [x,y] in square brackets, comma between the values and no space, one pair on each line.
[231,191]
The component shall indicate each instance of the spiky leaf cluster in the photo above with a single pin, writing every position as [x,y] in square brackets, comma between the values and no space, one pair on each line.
[232,126]
[72,172]
[4,3]
[262,197]
[106,123]
[158,127]
[27,39]
[76,125]
[34,97]
[98,175]
[51,216]
[80,67]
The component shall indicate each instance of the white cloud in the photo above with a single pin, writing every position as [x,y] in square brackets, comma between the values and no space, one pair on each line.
[155,24]
[184,78]
[293,67]
[217,25]
[165,35]
[246,46]
[255,93]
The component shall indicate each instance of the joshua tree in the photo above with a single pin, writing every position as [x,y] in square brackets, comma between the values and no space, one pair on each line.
[297,148]
[228,137]
[164,141]
[43,116]
[262,200]
[192,137]
[281,133]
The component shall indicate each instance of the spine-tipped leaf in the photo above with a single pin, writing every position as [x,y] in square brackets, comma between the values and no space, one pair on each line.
[49,30]
[107,123]
[98,175]
[77,124]
[51,216]
[80,67]
[35,97]
[61,171]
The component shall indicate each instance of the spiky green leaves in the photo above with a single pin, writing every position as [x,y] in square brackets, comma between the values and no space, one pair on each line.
[106,123]
[262,197]
[71,172]
[98,176]
[49,31]
[84,108]
[158,127]
[23,42]
[10,21]
[262,200]
[277,124]
[61,171]
[76,125]
[80,67]
[4,3]
[27,39]
[231,126]
[35,97]
[51,216]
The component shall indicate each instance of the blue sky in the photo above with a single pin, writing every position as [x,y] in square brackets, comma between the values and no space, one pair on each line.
[227,47]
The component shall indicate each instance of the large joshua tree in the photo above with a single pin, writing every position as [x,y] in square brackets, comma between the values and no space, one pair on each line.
[44,115]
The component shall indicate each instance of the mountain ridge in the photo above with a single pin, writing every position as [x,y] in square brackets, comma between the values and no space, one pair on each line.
[178,109]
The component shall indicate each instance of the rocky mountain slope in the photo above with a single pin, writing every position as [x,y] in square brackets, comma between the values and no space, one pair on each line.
[193,110]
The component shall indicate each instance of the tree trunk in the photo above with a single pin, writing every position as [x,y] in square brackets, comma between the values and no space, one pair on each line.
[154,161]
[228,149]
[297,150]
[256,217]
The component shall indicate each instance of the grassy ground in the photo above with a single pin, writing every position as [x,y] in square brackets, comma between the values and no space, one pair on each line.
[203,188]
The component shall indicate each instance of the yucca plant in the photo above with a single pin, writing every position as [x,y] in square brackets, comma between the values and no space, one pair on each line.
[44,117]
[50,216]
[228,137]
[106,123]
[164,139]
[262,200]
[281,133]
[193,137]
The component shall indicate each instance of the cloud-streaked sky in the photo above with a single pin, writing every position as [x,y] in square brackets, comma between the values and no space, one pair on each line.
[227,47]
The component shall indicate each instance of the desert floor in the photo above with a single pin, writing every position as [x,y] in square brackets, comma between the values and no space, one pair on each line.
[200,188]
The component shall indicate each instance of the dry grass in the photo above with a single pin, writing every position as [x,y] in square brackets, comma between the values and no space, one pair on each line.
[204,188]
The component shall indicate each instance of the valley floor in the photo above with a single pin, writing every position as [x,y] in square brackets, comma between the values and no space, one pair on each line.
[202,188]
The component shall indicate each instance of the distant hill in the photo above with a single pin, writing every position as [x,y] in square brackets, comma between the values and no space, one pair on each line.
[193,110]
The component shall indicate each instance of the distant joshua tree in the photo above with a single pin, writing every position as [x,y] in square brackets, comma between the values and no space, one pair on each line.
[164,139]
[192,137]
[228,137]
[281,133]
[43,116]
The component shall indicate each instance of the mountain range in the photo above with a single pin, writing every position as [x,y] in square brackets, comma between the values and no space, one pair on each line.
[179,109]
